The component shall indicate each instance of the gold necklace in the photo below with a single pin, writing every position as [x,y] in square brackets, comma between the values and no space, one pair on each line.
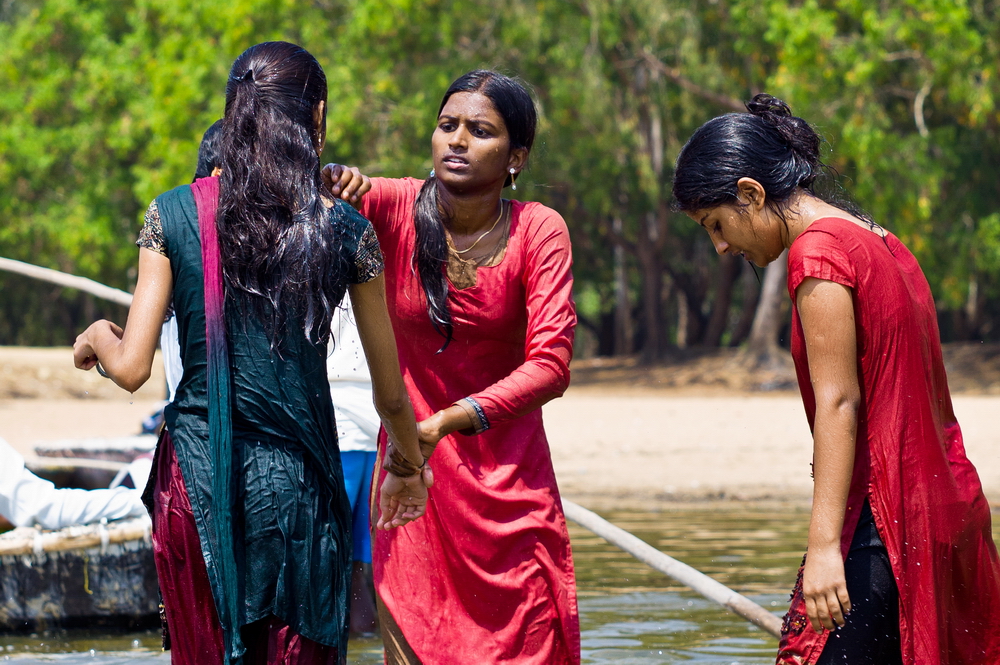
[486,259]
[469,248]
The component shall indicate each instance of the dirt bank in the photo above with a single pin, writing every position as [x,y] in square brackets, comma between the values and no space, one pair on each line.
[621,435]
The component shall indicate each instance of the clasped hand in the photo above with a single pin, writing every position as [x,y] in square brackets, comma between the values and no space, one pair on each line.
[402,500]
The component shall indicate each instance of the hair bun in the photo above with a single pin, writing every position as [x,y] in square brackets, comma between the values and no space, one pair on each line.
[795,131]
[768,107]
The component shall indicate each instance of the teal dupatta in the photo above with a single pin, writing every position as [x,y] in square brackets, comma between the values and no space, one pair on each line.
[220,417]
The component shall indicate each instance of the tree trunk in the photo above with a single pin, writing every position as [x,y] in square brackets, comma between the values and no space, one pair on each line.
[972,311]
[762,347]
[729,270]
[623,333]
[683,325]
[649,252]
[751,295]
[652,285]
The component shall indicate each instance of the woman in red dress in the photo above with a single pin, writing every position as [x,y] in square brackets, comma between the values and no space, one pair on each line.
[479,292]
[901,565]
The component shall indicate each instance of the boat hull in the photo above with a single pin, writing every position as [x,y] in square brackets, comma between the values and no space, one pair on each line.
[46,581]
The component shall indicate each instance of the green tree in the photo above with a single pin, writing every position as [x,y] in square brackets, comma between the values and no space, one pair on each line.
[102,105]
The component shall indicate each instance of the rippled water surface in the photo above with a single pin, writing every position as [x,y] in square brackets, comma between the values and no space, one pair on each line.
[630,614]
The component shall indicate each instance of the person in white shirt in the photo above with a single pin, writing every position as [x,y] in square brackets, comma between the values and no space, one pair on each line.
[27,500]
[357,434]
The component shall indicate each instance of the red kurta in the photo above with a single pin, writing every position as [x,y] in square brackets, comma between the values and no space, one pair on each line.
[910,462]
[486,575]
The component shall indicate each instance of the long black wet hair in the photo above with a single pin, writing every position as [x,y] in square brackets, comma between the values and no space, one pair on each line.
[281,255]
[513,102]
[768,144]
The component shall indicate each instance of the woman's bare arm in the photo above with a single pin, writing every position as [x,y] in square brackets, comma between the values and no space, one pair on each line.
[127,355]
[826,310]
[401,499]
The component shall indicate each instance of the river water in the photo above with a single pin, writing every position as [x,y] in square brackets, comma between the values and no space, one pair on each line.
[629,613]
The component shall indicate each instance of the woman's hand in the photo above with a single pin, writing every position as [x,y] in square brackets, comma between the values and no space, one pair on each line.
[429,433]
[346,182]
[431,430]
[401,500]
[824,588]
[84,356]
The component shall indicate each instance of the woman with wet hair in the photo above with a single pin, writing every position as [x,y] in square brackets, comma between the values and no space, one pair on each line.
[901,566]
[251,523]
[479,291]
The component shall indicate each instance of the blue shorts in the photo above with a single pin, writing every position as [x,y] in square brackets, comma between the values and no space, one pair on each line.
[358,466]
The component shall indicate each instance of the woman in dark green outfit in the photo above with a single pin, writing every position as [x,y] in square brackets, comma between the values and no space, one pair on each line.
[251,522]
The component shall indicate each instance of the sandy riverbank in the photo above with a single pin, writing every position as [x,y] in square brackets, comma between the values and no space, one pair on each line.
[612,445]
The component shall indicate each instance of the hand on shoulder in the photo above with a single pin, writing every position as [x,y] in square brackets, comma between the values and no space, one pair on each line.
[345,182]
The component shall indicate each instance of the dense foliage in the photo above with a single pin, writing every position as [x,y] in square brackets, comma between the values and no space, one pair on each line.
[102,104]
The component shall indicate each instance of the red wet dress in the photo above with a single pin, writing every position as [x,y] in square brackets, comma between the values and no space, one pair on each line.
[910,462]
[486,575]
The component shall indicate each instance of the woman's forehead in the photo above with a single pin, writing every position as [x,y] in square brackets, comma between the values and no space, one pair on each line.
[472,106]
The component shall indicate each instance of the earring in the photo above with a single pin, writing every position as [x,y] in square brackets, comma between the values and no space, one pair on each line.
[513,185]
[431,174]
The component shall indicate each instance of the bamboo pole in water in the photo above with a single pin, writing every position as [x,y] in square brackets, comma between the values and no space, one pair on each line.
[70,281]
[683,573]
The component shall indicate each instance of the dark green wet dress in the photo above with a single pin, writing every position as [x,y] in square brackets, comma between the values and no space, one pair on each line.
[291,515]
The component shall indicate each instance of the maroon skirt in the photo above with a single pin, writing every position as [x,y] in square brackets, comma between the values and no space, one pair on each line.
[189,609]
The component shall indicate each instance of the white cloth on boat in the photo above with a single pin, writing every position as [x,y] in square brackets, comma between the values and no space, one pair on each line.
[26,499]
[351,384]
[170,347]
[136,474]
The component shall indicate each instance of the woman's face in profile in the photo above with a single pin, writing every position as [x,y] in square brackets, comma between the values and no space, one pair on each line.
[737,230]
[470,145]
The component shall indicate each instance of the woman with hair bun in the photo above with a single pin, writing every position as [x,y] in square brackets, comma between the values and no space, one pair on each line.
[901,566]
[479,291]
[251,523]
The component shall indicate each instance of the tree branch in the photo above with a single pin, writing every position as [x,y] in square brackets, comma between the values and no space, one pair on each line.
[918,108]
[684,82]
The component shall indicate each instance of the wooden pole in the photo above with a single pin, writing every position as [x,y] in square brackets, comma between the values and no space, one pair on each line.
[70,281]
[22,541]
[683,573]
